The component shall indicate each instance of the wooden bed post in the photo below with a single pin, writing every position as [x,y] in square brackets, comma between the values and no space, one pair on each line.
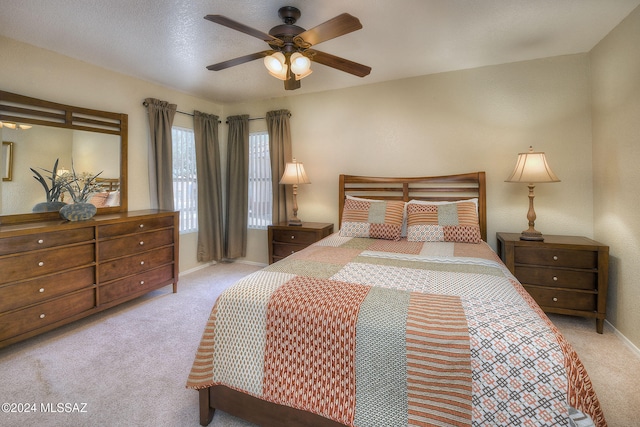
[206,411]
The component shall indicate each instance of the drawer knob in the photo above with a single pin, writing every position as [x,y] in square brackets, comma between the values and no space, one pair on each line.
[555,299]
[42,316]
[293,252]
[141,262]
[555,278]
[555,257]
[40,241]
[142,282]
[41,290]
[141,243]
[293,237]
[141,226]
[40,264]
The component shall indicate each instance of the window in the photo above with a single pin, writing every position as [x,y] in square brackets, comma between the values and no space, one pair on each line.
[185,184]
[260,192]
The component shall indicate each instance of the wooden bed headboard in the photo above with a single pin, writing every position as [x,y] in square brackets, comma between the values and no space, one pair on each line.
[434,188]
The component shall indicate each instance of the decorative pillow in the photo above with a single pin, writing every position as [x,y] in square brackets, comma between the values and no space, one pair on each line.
[443,222]
[99,200]
[113,199]
[376,219]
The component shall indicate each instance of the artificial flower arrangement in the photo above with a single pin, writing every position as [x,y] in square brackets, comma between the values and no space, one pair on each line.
[79,186]
[54,192]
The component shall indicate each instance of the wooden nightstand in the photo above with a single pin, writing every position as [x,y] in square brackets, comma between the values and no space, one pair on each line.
[564,274]
[285,240]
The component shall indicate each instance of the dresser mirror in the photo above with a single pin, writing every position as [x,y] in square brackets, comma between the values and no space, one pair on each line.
[41,132]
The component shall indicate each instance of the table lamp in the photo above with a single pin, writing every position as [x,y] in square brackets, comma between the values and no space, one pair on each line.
[531,168]
[294,174]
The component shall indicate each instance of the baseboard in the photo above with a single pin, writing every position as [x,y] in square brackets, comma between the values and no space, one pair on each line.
[635,350]
[209,264]
[257,264]
[198,267]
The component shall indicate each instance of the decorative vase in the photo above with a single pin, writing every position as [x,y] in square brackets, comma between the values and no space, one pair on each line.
[78,211]
[48,207]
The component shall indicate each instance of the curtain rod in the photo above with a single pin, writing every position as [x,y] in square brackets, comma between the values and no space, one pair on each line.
[258,118]
[146,104]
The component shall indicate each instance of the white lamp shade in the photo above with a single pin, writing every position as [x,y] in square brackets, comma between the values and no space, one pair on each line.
[276,64]
[532,167]
[300,64]
[294,174]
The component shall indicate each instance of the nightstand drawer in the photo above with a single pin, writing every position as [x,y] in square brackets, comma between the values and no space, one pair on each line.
[300,237]
[557,298]
[284,250]
[554,277]
[556,257]
[285,239]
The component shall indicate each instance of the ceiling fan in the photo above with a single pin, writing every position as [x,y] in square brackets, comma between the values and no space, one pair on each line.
[290,56]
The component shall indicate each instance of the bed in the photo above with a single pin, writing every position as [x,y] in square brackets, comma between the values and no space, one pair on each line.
[405,316]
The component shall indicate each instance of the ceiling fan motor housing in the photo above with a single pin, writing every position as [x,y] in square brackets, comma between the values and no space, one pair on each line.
[287,31]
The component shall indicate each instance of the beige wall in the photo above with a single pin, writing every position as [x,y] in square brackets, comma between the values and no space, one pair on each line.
[448,123]
[40,73]
[615,69]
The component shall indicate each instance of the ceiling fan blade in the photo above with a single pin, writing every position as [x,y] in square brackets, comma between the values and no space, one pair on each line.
[340,63]
[234,25]
[237,61]
[336,27]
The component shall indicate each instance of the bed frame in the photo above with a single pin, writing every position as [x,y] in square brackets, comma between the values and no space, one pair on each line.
[440,188]
[437,188]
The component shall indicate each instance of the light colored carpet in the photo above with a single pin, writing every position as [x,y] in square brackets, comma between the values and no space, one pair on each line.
[129,364]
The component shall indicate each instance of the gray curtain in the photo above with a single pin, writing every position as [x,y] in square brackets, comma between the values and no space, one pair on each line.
[280,152]
[210,226]
[161,115]
[237,187]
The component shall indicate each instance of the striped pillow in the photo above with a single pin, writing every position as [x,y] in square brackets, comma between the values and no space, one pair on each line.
[376,219]
[443,222]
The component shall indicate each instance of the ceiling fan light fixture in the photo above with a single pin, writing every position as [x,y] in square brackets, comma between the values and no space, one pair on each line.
[276,64]
[10,125]
[300,64]
[302,76]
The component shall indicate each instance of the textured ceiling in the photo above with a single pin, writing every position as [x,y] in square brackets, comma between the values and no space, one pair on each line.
[168,42]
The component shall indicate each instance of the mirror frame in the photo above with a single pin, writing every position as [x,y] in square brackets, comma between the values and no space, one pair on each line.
[24,109]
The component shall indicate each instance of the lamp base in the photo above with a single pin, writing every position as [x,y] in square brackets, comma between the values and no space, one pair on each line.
[532,236]
[295,221]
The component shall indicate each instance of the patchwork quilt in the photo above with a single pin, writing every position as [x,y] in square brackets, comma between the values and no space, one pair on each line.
[371,332]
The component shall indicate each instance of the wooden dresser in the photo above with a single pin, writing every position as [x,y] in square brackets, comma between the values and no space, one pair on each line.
[285,239]
[55,272]
[564,274]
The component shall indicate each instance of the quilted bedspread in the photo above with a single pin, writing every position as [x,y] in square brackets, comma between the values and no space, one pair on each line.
[371,332]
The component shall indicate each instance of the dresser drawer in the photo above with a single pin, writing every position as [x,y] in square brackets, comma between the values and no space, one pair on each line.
[30,242]
[284,250]
[37,290]
[555,277]
[300,237]
[38,316]
[556,257]
[130,227]
[135,285]
[134,264]
[557,298]
[38,263]
[134,244]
